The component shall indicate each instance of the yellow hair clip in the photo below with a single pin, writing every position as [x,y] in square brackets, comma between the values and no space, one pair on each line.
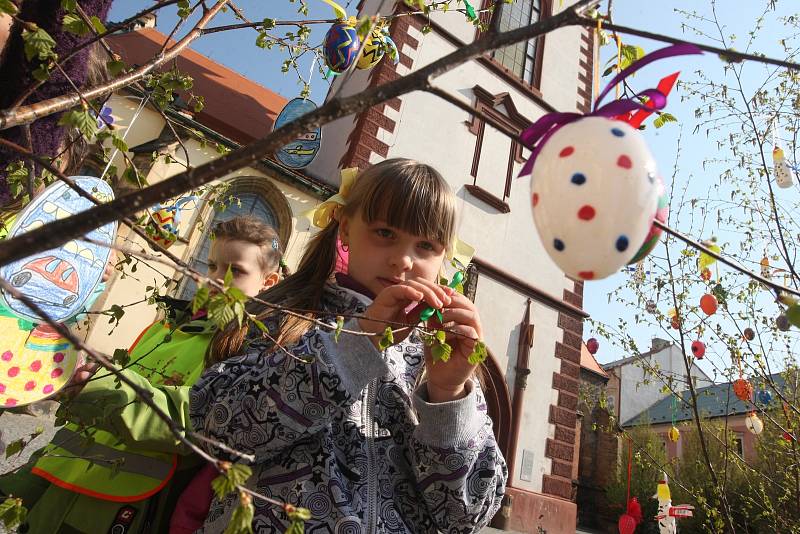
[322,215]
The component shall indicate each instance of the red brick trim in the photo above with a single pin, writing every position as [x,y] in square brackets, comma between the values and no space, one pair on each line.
[563,415]
[363,141]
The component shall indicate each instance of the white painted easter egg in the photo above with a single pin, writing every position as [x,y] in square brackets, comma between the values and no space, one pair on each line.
[594,195]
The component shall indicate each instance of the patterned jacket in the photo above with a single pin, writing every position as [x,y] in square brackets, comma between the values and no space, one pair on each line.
[349,437]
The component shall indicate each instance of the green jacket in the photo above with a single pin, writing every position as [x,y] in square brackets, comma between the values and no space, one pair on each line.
[132,469]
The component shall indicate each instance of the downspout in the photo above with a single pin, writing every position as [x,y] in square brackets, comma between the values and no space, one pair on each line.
[520,384]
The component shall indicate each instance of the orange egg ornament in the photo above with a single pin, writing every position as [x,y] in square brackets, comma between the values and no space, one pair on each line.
[709,304]
[743,389]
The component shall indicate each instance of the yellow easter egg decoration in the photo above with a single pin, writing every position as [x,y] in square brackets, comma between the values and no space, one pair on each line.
[373,50]
[674,434]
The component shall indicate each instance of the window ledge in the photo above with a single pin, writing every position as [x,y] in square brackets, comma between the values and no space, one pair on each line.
[482,194]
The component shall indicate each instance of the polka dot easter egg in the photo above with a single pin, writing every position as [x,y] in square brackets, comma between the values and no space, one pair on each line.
[594,194]
[34,364]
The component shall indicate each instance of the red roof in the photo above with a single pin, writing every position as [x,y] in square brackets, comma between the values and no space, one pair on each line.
[235,106]
[588,362]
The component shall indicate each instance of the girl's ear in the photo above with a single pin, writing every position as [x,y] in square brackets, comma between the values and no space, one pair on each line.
[270,280]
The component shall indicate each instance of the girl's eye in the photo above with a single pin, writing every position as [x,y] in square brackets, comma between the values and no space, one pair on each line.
[426,245]
[385,233]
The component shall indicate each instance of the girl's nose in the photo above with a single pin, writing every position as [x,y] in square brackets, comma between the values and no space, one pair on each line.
[402,260]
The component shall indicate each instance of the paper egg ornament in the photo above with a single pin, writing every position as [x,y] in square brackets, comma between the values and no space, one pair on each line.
[764,396]
[60,280]
[340,47]
[705,274]
[592,345]
[674,434]
[784,175]
[654,234]
[782,322]
[34,364]
[651,307]
[594,194]
[163,226]
[698,349]
[708,303]
[749,334]
[626,524]
[743,389]
[754,424]
[372,51]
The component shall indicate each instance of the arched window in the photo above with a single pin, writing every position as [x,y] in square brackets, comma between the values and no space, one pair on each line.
[249,203]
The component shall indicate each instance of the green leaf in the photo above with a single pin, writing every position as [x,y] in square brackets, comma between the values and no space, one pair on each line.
[663,118]
[115,67]
[69,5]
[38,44]
[12,513]
[441,335]
[441,352]
[97,24]
[793,314]
[387,340]
[81,119]
[339,326]
[479,353]
[228,277]
[119,143]
[200,298]
[121,357]
[7,6]
[15,447]
[74,24]
[298,517]
[241,521]
[236,294]
[234,475]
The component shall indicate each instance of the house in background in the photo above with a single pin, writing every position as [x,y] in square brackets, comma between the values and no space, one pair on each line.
[715,402]
[531,312]
[636,382]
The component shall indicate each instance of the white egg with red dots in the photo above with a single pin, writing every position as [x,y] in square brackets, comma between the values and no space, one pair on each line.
[594,193]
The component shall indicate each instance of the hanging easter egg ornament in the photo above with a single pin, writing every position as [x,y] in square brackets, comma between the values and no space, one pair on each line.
[698,349]
[302,151]
[782,323]
[341,44]
[708,303]
[60,280]
[592,345]
[705,260]
[764,396]
[784,174]
[788,437]
[743,389]
[705,274]
[749,334]
[674,434]
[651,307]
[754,424]
[594,182]
[372,51]
[164,222]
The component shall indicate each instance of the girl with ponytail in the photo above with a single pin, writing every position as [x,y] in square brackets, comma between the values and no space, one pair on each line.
[339,422]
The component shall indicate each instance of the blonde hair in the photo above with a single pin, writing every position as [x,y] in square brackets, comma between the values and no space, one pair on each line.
[404,193]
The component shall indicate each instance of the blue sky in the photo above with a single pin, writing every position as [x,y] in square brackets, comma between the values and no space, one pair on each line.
[236,50]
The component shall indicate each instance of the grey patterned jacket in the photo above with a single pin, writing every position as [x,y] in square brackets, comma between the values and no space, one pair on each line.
[349,438]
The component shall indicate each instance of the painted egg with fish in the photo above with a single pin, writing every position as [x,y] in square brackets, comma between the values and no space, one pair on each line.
[341,45]
[60,280]
[302,151]
[594,192]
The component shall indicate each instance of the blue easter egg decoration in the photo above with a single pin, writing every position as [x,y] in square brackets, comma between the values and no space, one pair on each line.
[61,280]
[302,151]
[341,46]
[764,396]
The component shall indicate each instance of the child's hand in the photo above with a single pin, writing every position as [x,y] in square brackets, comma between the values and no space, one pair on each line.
[391,306]
[83,372]
[463,329]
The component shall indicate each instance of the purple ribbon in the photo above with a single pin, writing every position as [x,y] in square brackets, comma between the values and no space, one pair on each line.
[537,134]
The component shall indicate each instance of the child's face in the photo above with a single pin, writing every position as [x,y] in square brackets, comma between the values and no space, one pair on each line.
[243,259]
[381,255]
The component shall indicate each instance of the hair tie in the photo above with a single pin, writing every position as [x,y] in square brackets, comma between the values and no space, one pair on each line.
[275,244]
[322,215]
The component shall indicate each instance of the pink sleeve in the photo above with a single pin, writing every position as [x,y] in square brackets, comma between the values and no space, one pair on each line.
[193,504]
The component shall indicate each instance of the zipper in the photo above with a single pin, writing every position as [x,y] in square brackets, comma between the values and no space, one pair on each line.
[369,430]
